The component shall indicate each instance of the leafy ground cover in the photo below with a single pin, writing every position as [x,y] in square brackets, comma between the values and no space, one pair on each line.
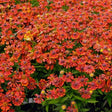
[58,52]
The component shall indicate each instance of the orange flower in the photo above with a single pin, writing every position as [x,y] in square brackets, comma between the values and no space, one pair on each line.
[38,99]
[42,84]
[89,69]
[17,100]
[75,85]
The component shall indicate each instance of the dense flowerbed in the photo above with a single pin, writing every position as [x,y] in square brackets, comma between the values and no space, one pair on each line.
[58,52]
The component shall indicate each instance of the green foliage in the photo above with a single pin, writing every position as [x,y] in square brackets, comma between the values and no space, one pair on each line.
[17,1]
[110,25]
[65,7]
[34,3]
[18,109]
[2,48]
[94,12]
[108,99]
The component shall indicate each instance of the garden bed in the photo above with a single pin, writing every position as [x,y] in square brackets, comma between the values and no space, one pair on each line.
[56,55]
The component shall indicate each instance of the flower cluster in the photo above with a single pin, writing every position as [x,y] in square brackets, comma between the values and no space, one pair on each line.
[74,34]
[71,108]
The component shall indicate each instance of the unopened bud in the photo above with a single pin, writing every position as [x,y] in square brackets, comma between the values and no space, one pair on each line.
[62,72]
[91,74]
[72,102]
[42,92]
[63,107]
[90,91]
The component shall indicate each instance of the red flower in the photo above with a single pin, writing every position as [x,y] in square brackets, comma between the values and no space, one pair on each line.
[89,69]
[5,104]
[42,84]
[51,78]
[81,51]
[85,93]
[92,85]
[104,66]
[60,92]
[68,77]
[76,85]
[58,82]
[52,94]
[38,99]
[32,83]
[72,108]
[49,66]
[17,100]
[109,84]
[83,80]
[100,82]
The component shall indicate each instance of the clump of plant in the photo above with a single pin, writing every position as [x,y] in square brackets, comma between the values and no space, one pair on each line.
[57,52]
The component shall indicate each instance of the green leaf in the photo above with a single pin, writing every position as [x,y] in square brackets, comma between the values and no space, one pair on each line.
[79,98]
[81,3]
[109,100]
[110,24]
[54,101]
[34,3]
[11,75]
[17,2]
[65,7]
[58,107]
[45,102]
[40,67]
[91,101]
[48,7]
[18,108]
[75,29]
[2,48]
[47,108]
[60,75]
[61,110]
[62,100]
[100,91]
[95,12]
[75,71]
[85,110]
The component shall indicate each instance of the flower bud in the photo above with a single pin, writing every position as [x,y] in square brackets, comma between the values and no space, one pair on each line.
[91,74]
[90,91]
[42,92]
[72,102]
[62,72]
[63,107]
